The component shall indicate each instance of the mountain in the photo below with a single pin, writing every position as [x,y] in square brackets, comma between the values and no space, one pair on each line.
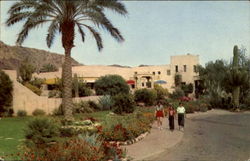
[12,56]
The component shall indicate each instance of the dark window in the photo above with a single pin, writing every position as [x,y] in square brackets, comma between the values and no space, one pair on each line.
[135,72]
[195,68]
[168,72]
[142,84]
[159,72]
[154,73]
[185,68]
[176,68]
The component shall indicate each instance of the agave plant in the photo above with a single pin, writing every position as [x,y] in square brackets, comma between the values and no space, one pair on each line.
[65,16]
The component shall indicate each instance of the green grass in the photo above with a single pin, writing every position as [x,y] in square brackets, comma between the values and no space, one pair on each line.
[11,134]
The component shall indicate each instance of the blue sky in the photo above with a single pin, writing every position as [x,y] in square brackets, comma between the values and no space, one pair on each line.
[154,31]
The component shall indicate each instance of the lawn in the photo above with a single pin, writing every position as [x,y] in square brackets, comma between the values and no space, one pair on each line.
[11,134]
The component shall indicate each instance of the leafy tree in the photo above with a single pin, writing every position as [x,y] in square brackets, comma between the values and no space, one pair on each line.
[111,85]
[161,92]
[177,80]
[65,16]
[26,70]
[147,96]
[48,68]
[6,88]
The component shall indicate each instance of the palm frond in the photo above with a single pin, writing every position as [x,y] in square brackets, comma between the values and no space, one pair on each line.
[81,32]
[16,17]
[23,4]
[51,32]
[114,5]
[96,36]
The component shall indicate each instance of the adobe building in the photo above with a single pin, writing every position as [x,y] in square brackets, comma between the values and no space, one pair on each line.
[138,77]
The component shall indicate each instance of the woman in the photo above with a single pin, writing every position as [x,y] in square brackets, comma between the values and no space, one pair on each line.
[171,114]
[159,113]
[181,113]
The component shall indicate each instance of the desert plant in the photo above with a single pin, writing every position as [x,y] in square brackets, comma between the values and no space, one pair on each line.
[38,112]
[148,96]
[106,102]
[21,113]
[123,103]
[6,88]
[40,132]
[111,85]
[93,105]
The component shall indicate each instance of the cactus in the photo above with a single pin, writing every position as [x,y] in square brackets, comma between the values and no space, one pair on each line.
[235,72]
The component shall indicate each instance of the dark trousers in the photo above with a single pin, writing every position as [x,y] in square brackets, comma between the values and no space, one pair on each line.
[181,119]
[171,122]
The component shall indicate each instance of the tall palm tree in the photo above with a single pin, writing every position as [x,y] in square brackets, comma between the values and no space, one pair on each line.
[64,16]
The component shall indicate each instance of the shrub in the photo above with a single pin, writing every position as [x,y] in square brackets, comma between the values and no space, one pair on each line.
[177,93]
[40,132]
[38,112]
[37,82]
[93,105]
[58,111]
[73,149]
[162,93]
[187,88]
[106,102]
[6,88]
[111,85]
[21,113]
[48,68]
[26,70]
[55,94]
[82,107]
[82,88]
[145,95]
[123,103]
[33,88]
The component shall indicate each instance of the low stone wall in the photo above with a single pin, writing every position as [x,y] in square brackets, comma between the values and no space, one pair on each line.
[25,99]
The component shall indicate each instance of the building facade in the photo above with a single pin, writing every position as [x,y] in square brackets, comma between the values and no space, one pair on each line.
[140,77]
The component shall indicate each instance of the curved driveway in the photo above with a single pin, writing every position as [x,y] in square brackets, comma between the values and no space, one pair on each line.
[224,137]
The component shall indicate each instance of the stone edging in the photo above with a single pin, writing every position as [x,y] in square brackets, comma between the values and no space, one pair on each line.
[132,141]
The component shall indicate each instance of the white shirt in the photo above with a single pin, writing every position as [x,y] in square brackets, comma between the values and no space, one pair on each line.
[181,109]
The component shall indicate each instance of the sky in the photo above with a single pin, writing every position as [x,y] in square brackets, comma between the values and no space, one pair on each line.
[154,31]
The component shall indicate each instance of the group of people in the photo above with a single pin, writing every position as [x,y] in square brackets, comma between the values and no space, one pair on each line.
[171,113]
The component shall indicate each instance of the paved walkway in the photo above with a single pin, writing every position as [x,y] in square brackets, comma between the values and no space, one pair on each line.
[157,141]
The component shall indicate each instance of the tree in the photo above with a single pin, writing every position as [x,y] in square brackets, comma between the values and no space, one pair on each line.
[6,88]
[187,88]
[65,16]
[26,70]
[111,85]
[177,80]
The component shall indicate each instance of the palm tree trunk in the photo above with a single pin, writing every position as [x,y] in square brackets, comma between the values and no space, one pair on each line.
[236,96]
[67,86]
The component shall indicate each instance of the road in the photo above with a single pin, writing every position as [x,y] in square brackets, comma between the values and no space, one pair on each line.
[212,138]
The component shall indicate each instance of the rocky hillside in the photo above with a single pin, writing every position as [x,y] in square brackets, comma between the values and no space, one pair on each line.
[12,56]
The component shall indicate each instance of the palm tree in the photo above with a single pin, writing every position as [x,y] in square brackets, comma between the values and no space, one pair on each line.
[64,16]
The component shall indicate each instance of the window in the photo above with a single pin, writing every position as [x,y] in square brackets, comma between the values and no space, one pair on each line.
[159,72]
[135,72]
[185,68]
[142,84]
[168,72]
[176,68]
[195,68]
[154,73]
